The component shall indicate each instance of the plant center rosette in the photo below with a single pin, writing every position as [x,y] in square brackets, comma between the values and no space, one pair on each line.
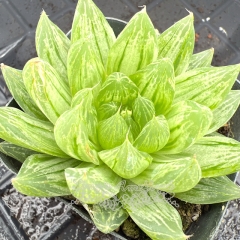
[118,122]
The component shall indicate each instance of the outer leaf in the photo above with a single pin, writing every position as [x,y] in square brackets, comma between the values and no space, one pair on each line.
[143,111]
[170,173]
[112,131]
[14,81]
[75,131]
[156,82]
[211,190]
[117,88]
[136,44]
[14,151]
[151,212]
[52,45]
[154,135]
[42,175]
[107,110]
[107,215]
[223,113]
[23,130]
[89,24]
[217,155]
[177,43]
[46,88]
[92,184]
[201,59]
[84,67]
[188,121]
[208,86]
[126,160]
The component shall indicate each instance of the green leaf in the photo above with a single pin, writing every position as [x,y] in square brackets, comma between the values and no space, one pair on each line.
[177,43]
[25,131]
[112,131]
[156,82]
[90,25]
[107,215]
[84,67]
[92,184]
[126,160]
[107,110]
[201,59]
[208,86]
[117,88]
[75,131]
[135,47]
[46,88]
[223,113]
[52,45]
[132,125]
[143,111]
[216,155]
[170,173]
[211,190]
[14,151]
[42,175]
[188,121]
[14,81]
[154,135]
[151,212]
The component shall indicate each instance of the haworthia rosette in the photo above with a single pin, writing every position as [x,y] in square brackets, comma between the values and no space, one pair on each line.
[14,81]
[46,88]
[107,215]
[223,113]
[151,212]
[216,155]
[156,82]
[42,175]
[208,86]
[136,44]
[177,43]
[117,88]
[84,67]
[153,136]
[25,131]
[90,25]
[188,121]
[170,173]
[52,45]
[14,151]
[143,111]
[201,59]
[211,190]
[92,184]
[126,160]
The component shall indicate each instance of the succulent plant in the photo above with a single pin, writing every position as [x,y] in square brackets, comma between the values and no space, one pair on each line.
[119,122]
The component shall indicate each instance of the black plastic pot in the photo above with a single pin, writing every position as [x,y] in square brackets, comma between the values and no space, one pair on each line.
[206,226]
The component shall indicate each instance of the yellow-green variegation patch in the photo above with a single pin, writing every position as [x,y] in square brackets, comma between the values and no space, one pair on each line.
[92,184]
[90,25]
[126,160]
[170,173]
[52,45]
[135,47]
[177,43]
[42,175]
[211,190]
[156,82]
[47,88]
[188,121]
